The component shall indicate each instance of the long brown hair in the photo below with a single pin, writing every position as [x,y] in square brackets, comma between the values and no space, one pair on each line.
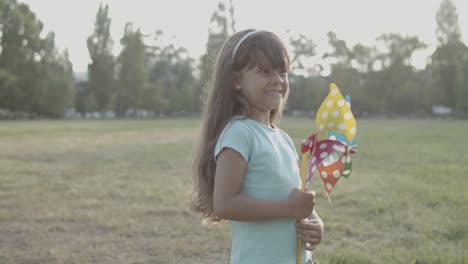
[222,101]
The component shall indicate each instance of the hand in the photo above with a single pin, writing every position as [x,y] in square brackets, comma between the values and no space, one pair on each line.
[301,203]
[310,231]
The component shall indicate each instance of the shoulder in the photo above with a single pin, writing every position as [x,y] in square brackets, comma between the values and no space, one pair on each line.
[285,136]
[237,126]
[237,135]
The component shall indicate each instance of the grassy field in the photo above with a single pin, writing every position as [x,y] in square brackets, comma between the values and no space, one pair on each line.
[117,192]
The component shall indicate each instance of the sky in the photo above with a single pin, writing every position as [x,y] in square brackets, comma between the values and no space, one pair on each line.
[186,22]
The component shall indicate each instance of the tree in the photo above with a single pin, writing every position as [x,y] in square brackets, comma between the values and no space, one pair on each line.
[399,49]
[340,50]
[101,69]
[34,77]
[132,71]
[399,90]
[448,29]
[347,77]
[447,60]
[303,49]
[20,50]
[363,58]
[84,99]
[222,24]
[55,80]
[463,102]
[171,81]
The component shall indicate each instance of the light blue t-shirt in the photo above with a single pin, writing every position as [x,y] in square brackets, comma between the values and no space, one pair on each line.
[272,172]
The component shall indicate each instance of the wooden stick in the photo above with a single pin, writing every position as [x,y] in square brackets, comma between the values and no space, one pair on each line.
[303,179]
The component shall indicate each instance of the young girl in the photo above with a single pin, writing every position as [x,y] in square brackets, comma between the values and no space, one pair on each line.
[246,169]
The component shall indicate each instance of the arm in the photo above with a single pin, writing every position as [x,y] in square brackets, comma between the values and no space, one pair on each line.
[229,203]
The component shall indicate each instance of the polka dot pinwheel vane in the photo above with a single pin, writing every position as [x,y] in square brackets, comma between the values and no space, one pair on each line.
[331,147]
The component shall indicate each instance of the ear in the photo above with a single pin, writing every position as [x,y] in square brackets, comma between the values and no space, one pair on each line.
[237,77]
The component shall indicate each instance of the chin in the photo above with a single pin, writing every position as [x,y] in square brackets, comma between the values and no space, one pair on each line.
[279,102]
[274,106]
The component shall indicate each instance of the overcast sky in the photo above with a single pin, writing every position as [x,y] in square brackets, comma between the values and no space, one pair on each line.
[186,21]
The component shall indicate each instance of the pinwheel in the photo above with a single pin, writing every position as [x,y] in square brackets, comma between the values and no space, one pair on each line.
[330,148]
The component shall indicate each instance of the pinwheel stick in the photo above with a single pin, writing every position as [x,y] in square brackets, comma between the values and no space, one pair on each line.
[303,187]
[329,200]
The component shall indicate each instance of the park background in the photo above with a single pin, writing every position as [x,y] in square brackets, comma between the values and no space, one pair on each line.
[96,147]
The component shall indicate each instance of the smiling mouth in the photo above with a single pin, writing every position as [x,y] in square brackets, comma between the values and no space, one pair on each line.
[273,92]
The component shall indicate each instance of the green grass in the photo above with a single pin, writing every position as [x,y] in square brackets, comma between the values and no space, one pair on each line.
[117,192]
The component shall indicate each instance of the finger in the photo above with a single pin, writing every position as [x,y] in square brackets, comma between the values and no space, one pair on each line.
[309,233]
[301,237]
[314,221]
[308,225]
[310,247]
[312,241]
[309,239]
[307,229]
[310,229]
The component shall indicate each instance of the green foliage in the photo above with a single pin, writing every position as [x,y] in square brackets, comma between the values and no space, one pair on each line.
[34,78]
[340,51]
[102,66]
[448,29]
[132,71]
[153,98]
[449,58]
[171,80]
[303,48]
[399,87]
[306,93]
[399,49]
[462,103]
[218,32]
[55,74]
[85,101]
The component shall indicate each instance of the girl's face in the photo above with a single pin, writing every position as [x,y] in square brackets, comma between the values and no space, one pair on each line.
[263,87]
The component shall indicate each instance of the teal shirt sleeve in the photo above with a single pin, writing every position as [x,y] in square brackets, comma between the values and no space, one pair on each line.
[236,136]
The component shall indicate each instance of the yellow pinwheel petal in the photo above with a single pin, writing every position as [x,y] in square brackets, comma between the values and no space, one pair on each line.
[334,115]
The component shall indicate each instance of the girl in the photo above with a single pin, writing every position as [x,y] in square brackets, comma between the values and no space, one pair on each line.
[246,167]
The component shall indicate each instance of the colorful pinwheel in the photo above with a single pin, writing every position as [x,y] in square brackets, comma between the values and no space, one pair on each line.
[330,148]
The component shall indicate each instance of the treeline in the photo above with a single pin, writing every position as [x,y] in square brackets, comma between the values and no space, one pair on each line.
[36,80]
[34,77]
